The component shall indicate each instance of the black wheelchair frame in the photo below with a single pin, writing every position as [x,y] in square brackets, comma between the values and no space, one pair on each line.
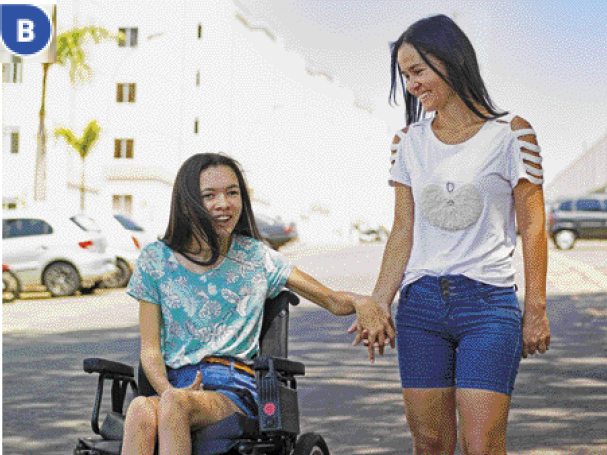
[275,431]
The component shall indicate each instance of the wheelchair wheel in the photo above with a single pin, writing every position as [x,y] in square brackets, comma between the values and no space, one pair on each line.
[311,444]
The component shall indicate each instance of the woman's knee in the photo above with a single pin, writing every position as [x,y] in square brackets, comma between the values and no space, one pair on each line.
[434,443]
[175,403]
[142,414]
[494,444]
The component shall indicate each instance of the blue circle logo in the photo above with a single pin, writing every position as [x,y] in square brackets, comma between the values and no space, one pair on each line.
[26,30]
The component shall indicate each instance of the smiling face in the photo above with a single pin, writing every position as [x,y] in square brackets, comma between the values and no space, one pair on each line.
[422,81]
[221,196]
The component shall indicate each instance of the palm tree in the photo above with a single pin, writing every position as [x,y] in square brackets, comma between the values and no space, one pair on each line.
[83,146]
[69,51]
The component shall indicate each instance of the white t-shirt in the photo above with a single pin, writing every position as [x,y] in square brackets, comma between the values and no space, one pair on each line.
[464,204]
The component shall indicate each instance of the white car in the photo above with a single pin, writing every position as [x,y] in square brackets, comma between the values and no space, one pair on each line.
[125,240]
[61,252]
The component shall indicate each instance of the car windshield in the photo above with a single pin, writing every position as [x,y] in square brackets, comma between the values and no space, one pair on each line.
[85,223]
[128,223]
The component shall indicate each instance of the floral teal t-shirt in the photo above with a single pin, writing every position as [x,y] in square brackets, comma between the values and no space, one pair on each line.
[218,312]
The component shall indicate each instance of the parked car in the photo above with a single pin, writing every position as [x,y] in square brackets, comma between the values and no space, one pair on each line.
[61,252]
[583,217]
[275,231]
[125,239]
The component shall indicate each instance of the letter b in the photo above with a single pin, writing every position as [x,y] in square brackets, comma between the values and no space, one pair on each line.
[25,31]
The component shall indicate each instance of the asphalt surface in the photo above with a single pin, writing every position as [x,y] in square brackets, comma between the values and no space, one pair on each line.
[559,405]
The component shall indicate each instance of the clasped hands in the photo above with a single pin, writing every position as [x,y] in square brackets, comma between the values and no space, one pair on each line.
[373,325]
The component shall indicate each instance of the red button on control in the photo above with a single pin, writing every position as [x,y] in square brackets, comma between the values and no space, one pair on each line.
[269,409]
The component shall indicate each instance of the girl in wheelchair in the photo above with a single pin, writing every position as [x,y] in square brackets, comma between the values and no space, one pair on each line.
[201,290]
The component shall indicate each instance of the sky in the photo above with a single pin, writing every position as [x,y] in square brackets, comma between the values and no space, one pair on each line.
[545,60]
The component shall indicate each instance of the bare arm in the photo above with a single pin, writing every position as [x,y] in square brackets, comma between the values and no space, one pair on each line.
[376,321]
[531,218]
[529,201]
[336,302]
[151,355]
[398,248]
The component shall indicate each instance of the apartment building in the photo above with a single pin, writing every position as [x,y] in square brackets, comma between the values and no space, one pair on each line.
[185,77]
[587,174]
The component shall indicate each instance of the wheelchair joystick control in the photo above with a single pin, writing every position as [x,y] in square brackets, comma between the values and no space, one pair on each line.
[278,406]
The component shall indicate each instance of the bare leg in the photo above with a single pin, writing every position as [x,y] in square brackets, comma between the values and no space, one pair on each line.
[431,418]
[141,427]
[483,419]
[181,410]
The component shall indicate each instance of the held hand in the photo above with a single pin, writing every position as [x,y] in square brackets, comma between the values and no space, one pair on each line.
[365,334]
[373,324]
[536,331]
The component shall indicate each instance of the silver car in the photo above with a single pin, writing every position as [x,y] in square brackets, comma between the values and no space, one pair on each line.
[60,252]
[126,238]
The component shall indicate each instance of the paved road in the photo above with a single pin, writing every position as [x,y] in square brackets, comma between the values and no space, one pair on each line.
[559,406]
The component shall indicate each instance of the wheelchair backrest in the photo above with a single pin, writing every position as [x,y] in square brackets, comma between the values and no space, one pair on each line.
[273,339]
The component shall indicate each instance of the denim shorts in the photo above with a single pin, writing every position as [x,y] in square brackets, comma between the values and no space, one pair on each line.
[453,331]
[223,379]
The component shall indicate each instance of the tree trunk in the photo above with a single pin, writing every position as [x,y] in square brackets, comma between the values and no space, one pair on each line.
[40,175]
[82,188]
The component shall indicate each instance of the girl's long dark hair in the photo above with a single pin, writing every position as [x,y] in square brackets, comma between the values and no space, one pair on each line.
[189,220]
[441,37]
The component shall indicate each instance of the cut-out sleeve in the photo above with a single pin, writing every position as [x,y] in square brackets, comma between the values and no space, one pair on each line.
[398,168]
[527,161]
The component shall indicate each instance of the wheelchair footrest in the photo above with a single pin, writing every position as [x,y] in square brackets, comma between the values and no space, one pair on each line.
[95,446]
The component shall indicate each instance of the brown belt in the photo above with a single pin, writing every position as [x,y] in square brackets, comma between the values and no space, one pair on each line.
[227,362]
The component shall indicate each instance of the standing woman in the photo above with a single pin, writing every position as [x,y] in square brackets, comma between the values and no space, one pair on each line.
[460,177]
[202,289]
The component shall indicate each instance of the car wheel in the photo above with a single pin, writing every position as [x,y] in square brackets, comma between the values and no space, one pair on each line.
[122,276]
[310,444]
[564,239]
[11,287]
[61,279]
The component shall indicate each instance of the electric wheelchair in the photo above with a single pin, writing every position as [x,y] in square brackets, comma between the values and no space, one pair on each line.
[275,431]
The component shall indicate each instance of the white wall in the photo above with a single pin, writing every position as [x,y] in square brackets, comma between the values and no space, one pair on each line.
[294,133]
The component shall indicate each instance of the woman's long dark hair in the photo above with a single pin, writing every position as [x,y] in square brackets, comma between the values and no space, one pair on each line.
[441,37]
[190,221]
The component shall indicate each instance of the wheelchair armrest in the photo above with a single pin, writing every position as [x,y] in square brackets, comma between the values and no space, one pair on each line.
[121,375]
[108,367]
[280,364]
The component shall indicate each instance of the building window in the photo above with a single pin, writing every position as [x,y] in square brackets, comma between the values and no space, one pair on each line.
[196,126]
[10,139]
[12,73]
[199,31]
[128,37]
[123,148]
[122,203]
[125,92]
[198,78]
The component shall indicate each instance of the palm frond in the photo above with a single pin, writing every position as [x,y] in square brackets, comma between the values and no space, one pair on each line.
[70,51]
[68,135]
[84,144]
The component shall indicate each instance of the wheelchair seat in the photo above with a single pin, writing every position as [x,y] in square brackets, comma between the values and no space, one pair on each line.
[276,429]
